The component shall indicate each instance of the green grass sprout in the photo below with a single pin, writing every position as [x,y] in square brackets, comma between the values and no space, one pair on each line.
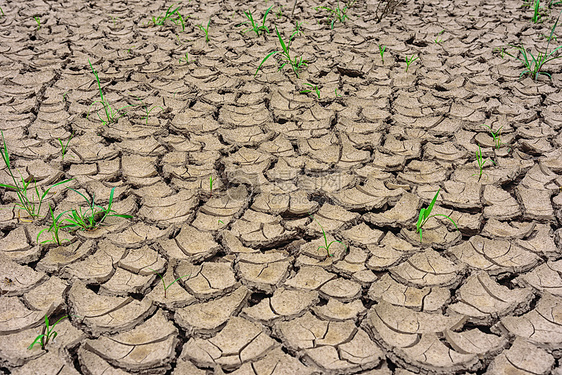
[437,39]
[336,91]
[495,135]
[205,30]
[186,58]
[326,244]
[53,229]
[38,22]
[148,110]
[172,15]
[48,334]
[94,218]
[2,11]
[533,65]
[164,283]
[425,215]
[253,25]
[295,63]
[313,87]
[410,60]
[211,180]
[279,13]
[481,162]
[111,115]
[337,14]
[64,147]
[536,12]
[30,205]
[381,52]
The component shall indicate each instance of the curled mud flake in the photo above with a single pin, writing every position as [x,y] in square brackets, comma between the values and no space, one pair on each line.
[326,183]
[245,116]
[238,342]
[310,278]
[190,244]
[483,300]
[400,215]
[445,152]
[140,170]
[147,146]
[258,229]
[16,279]
[541,326]
[522,357]
[173,209]
[552,160]
[61,256]
[341,289]
[325,149]
[51,362]
[207,280]
[280,146]
[419,173]
[138,234]
[461,195]
[92,362]
[276,360]
[140,261]
[541,242]
[16,317]
[106,314]
[340,311]
[536,204]
[98,267]
[150,345]
[507,230]
[428,269]
[428,299]
[285,304]
[547,278]
[475,341]
[234,245]
[372,195]
[90,148]
[263,271]
[17,248]
[208,317]
[123,282]
[251,136]
[539,177]
[409,148]
[391,251]
[362,234]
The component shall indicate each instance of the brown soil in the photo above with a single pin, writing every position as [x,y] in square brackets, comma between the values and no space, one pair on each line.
[258,292]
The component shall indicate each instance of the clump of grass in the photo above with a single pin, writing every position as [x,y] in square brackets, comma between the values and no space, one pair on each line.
[164,283]
[253,24]
[537,12]
[296,63]
[111,115]
[481,162]
[338,13]
[381,52]
[64,147]
[425,215]
[53,229]
[186,58]
[495,135]
[326,244]
[172,15]
[410,60]
[313,87]
[28,203]
[38,22]
[148,110]
[205,30]
[48,334]
[534,64]
[93,216]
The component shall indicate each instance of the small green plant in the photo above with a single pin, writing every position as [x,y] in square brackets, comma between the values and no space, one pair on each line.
[381,52]
[186,58]
[148,110]
[205,30]
[337,14]
[481,162]
[536,12]
[172,15]
[253,25]
[313,87]
[438,39]
[425,215]
[336,91]
[53,229]
[111,115]
[279,13]
[326,244]
[27,203]
[93,217]
[64,96]
[64,147]
[38,22]
[164,283]
[220,222]
[48,334]
[295,63]
[495,135]
[211,180]
[410,60]
[2,11]
[533,65]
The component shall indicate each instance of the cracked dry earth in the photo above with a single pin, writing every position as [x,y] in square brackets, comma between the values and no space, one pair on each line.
[259,296]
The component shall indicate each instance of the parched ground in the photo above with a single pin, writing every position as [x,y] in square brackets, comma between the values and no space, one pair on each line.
[259,294]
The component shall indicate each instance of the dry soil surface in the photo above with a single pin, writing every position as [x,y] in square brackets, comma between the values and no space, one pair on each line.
[259,293]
